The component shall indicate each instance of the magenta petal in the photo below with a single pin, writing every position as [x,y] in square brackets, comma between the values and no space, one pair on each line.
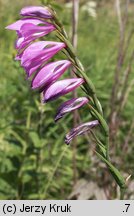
[37,53]
[32,51]
[29,29]
[79,130]
[17,25]
[36,11]
[61,87]
[70,106]
[29,32]
[50,73]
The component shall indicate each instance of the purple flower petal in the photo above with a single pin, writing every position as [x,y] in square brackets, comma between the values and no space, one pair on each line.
[29,32]
[50,73]
[37,53]
[17,25]
[36,11]
[70,106]
[79,130]
[61,87]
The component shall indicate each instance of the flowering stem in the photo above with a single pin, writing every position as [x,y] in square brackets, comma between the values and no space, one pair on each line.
[41,52]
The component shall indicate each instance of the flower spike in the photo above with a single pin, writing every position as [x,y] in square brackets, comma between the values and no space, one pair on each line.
[34,57]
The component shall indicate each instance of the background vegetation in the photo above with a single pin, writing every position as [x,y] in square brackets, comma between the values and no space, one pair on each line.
[31,144]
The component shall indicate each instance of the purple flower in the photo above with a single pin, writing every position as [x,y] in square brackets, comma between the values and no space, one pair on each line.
[31,33]
[79,130]
[61,88]
[36,11]
[28,30]
[70,106]
[50,73]
[16,26]
[38,53]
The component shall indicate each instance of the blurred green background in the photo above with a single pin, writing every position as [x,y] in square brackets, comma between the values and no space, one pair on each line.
[31,144]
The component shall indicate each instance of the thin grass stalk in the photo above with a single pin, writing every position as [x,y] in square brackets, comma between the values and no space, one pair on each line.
[124,43]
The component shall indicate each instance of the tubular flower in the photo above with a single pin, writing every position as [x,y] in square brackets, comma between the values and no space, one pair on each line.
[69,106]
[61,88]
[50,73]
[16,26]
[29,30]
[79,130]
[36,11]
[38,53]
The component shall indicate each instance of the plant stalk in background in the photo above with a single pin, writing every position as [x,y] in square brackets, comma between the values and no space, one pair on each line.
[75,17]
[121,87]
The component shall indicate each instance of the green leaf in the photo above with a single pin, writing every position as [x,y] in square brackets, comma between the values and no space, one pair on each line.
[35,139]
[115,173]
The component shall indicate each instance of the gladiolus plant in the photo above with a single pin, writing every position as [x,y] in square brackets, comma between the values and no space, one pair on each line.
[35,56]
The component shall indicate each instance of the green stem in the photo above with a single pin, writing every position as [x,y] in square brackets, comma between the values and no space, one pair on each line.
[122,193]
[105,129]
[107,147]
